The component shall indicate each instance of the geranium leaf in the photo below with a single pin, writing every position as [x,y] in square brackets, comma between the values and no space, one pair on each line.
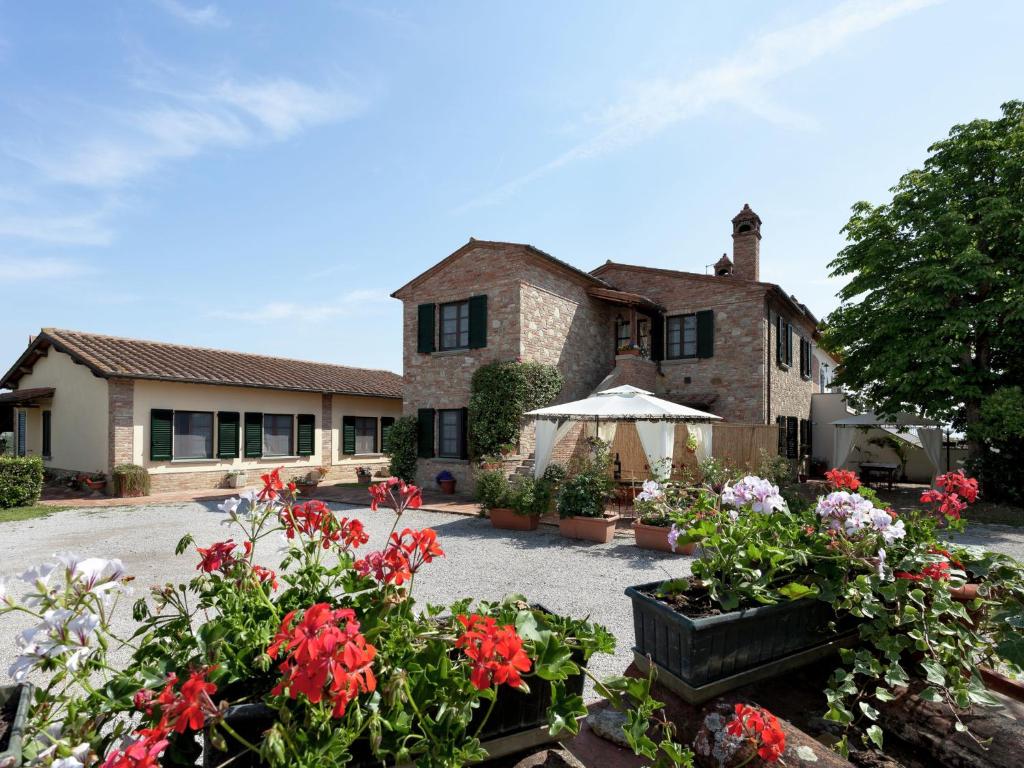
[554,660]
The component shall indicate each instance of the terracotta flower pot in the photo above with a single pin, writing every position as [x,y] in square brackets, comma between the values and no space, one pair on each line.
[508,520]
[447,486]
[599,529]
[656,537]
[364,479]
[964,594]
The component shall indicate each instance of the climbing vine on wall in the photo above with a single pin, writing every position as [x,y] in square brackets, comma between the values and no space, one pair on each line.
[501,393]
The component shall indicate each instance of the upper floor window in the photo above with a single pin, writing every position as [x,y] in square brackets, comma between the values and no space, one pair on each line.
[681,336]
[623,334]
[455,325]
[783,341]
[193,435]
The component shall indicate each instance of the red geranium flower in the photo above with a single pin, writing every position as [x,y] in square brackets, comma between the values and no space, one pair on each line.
[326,657]
[404,555]
[218,557]
[272,485]
[265,575]
[841,479]
[762,728]
[396,494]
[140,754]
[497,652]
[184,710]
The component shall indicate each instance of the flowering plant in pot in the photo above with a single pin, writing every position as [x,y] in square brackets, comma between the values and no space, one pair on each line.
[667,512]
[364,474]
[583,495]
[445,481]
[324,660]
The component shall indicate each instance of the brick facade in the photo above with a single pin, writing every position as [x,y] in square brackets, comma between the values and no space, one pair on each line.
[121,414]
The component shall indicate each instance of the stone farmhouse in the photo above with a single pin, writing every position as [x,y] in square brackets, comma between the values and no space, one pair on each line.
[86,403]
[726,342]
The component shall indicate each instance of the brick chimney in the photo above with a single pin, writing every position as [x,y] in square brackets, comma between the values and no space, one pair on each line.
[723,267]
[746,244]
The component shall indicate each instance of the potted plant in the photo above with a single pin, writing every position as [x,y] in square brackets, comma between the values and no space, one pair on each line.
[95,482]
[492,461]
[307,483]
[445,481]
[771,583]
[583,495]
[324,660]
[235,478]
[525,499]
[493,491]
[130,480]
[364,475]
[15,701]
[666,513]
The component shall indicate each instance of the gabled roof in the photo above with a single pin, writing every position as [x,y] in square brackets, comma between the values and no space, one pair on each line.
[545,257]
[111,356]
[772,288]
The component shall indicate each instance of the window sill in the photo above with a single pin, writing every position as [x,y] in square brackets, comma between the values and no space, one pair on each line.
[678,360]
[782,366]
[450,352]
[450,460]
[195,461]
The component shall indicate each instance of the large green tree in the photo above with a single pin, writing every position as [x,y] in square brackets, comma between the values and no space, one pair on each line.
[932,317]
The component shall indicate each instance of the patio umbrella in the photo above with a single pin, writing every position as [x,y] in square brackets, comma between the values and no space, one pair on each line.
[655,421]
[928,433]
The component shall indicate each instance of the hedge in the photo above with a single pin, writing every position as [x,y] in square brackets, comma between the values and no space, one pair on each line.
[21,480]
[402,442]
[500,394]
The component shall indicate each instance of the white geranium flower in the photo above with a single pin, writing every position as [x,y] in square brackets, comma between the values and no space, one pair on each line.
[651,490]
[881,563]
[229,506]
[39,575]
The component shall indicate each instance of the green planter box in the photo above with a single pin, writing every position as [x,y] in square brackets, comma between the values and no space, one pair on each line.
[14,699]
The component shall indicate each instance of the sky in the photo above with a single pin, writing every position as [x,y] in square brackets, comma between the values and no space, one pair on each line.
[261,176]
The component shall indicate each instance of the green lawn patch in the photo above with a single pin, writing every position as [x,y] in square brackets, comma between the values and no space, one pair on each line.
[27,513]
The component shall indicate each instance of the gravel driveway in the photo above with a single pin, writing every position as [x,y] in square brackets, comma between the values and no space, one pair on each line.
[568,577]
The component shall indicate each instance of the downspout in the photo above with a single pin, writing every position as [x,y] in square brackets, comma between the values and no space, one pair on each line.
[768,359]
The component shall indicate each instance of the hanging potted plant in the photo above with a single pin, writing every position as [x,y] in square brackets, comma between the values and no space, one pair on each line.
[325,660]
[583,495]
[445,481]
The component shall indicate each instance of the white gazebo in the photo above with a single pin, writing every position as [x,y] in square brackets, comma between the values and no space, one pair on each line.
[928,434]
[655,421]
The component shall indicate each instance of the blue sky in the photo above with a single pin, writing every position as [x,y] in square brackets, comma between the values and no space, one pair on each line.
[260,176]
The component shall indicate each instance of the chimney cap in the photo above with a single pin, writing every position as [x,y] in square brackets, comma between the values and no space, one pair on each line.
[746,214]
[723,266]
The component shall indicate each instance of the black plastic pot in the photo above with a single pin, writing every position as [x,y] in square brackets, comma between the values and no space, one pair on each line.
[513,712]
[14,702]
[704,650]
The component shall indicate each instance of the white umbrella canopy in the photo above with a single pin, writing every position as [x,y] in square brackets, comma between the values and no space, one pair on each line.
[625,403]
[655,421]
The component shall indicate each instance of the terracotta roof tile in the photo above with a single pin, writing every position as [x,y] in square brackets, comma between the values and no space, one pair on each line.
[136,359]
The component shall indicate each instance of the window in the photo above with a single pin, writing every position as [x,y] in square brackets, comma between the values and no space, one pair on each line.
[193,435]
[455,325]
[682,336]
[47,446]
[805,358]
[277,434]
[450,434]
[21,433]
[622,334]
[366,434]
[783,341]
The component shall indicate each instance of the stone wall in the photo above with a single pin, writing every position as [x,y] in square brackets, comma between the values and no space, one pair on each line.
[121,410]
[731,383]
[789,393]
[217,478]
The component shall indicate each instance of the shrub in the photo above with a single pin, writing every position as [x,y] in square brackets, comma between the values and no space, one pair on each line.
[501,393]
[130,480]
[492,489]
[588,486]
[402,448]
[21,480]
[523,497]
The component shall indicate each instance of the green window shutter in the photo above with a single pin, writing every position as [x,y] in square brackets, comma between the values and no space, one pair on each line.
[792,437]
[780,422]
[464,444]
[386,423]
[425,433]
[47,426]
[253,435]
[161,435]
[477,322]
[348,434]
[706,333]
[778,340]
[305,432]
[425,329]
[227,435]
[788,339]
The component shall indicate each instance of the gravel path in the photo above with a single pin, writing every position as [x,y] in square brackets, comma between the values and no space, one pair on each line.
[568,577]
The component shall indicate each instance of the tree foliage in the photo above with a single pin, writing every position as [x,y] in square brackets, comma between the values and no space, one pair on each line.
[501,393]
[932,317]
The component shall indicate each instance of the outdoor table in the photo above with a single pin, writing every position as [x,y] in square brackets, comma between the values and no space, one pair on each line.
[884,472]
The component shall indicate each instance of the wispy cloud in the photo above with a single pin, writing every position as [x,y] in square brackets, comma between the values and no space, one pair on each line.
[203,16]
[739,80]
[25,268]
[59,229]
[229,114]
[358,301]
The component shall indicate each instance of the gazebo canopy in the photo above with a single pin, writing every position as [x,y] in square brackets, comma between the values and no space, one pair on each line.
[625,403]
[655,421]
[915,429]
